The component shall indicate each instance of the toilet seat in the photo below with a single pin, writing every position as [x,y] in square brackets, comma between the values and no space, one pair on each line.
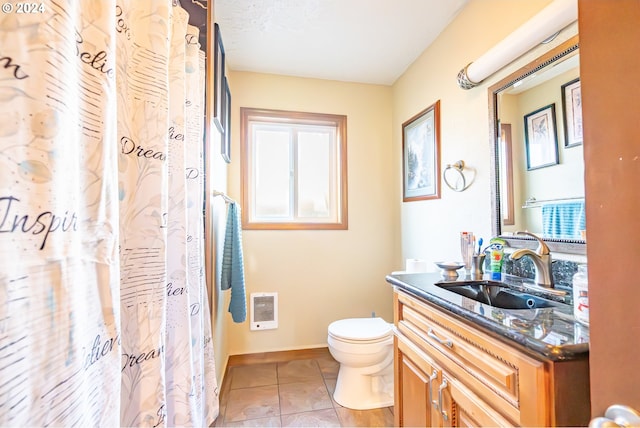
[361,330]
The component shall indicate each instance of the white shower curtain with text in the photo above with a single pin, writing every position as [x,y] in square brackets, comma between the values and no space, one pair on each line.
[104,317]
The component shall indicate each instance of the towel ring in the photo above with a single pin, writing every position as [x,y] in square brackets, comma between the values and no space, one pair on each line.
[457,167]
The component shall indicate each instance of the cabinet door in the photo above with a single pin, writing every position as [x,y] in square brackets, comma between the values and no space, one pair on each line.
[413,408]
[471,411]
[510,381]
[436,399]
[415,380]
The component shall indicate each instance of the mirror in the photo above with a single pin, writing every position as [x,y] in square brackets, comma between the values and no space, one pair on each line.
[538,162]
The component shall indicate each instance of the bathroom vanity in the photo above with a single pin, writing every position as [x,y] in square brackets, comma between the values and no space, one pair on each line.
[461,362]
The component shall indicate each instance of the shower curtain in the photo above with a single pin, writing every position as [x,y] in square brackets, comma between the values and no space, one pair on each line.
[104,317]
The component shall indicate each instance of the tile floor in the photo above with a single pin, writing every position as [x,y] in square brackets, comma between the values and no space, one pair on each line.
[293,393]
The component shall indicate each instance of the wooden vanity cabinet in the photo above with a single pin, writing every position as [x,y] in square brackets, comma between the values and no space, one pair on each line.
[449,373]
[428,394]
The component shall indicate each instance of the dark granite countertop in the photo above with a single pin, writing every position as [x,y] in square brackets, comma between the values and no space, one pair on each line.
[552,332]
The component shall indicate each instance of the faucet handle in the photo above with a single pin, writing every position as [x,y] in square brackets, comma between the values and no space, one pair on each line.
[542,249]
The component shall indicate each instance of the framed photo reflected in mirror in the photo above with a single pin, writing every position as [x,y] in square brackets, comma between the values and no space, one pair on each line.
[572,113]
[540,137]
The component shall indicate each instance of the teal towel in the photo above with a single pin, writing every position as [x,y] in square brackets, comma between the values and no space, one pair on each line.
[564,220]
[232,275]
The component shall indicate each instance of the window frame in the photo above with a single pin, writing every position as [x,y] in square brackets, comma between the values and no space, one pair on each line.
[506,164]
[247,115]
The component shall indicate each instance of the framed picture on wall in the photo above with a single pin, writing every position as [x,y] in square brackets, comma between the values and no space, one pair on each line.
[218,78]
[572,113]
[421,155]
[226,122]
[540,137]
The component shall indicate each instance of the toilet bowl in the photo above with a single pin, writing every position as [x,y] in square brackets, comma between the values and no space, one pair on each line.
[364,349]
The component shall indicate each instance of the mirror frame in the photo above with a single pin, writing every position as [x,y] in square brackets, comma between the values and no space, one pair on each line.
[569,246]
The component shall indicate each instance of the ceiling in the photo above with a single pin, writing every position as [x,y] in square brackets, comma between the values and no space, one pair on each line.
[366,41]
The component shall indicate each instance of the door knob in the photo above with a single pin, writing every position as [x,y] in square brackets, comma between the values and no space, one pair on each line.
[617,415]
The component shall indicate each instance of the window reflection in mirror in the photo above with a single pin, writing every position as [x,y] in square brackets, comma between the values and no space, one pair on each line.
[548,201]
[506,174]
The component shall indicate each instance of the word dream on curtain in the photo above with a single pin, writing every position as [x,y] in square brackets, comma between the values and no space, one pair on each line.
[104,314]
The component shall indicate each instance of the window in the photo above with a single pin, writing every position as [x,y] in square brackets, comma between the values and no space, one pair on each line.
[506,175]
[294,170]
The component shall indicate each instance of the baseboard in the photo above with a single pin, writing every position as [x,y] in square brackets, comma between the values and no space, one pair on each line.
[224,372]
[277,356]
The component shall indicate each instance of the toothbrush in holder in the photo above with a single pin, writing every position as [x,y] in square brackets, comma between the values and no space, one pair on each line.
[467,247]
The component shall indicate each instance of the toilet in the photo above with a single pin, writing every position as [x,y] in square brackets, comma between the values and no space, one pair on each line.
[364,349]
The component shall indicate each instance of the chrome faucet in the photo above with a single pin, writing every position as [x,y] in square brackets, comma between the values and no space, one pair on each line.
[541,260]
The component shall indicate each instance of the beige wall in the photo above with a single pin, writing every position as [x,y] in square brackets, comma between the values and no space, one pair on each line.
[430,228]
[217,180]
[465,135]
[322,276]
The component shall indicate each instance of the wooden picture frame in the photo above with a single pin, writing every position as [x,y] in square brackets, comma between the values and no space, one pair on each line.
[541,138]
[421,155]
[218,78]
[572,113]
[225,146]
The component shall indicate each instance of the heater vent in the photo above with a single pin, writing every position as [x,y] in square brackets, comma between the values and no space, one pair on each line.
[264,311]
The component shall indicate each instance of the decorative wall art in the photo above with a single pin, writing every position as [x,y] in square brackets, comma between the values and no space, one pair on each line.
[572,113]
[226,122]
[540,137]
[218,78]
[421,155]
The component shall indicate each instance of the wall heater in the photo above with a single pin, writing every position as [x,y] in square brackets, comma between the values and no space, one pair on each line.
[264,311]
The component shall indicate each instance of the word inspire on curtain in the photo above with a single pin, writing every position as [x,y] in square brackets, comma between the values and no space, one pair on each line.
[104,311]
